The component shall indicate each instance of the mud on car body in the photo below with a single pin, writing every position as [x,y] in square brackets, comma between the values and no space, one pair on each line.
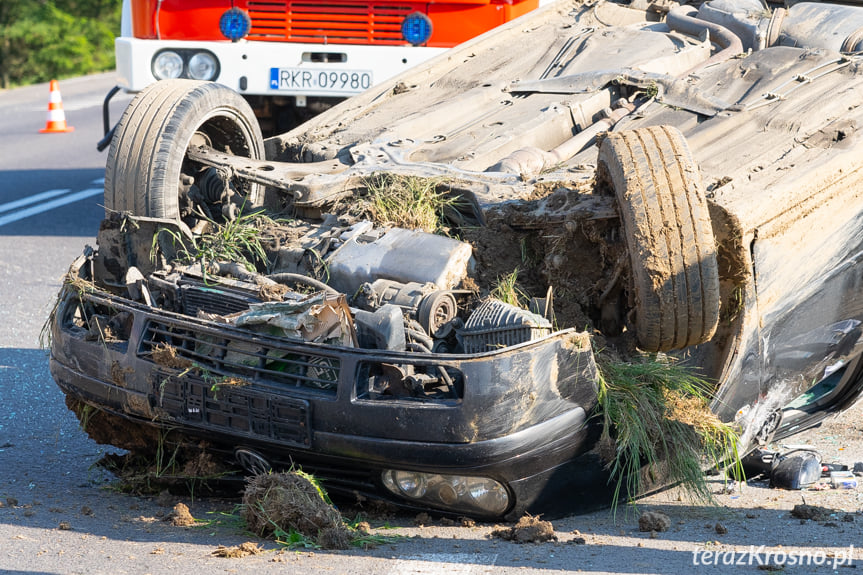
[662,189]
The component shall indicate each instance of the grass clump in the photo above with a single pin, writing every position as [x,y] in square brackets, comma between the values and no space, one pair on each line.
[238,240]
[294,509]
[507,290]
[409,202]
[658,428]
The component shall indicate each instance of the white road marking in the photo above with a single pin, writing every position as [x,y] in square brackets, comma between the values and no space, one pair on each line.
[444,564]
[44,207]
[31,200]
[8,206]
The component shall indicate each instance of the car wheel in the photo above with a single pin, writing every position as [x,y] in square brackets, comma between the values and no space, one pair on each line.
[147,171]
[666,226]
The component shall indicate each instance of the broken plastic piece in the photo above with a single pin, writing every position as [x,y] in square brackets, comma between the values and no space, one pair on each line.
[382,329]
[796,471]
[319,318]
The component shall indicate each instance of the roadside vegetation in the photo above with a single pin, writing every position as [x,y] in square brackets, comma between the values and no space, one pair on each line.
[42,40]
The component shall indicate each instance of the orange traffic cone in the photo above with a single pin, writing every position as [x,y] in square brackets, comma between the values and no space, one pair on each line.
[56,122]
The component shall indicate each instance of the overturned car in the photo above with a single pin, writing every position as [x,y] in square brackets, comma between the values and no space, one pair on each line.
[676,179]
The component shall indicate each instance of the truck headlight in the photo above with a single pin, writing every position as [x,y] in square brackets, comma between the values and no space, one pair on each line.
[167,64]
[203,66]
[466,494]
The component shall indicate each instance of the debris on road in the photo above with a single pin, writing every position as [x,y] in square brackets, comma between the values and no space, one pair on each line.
[654,521]
[279,504]
[180,516]
[529,529]
[238,551]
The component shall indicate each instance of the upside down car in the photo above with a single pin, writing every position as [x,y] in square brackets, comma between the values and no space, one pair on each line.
[672,178]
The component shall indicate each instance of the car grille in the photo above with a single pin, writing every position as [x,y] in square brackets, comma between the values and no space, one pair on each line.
[219,356]
[329,23]
[238,410]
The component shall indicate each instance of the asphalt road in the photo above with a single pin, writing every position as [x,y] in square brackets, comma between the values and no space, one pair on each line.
[59,514]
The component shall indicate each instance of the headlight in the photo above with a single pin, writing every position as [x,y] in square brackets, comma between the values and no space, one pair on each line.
[417,28]
[167,64]
[466,494]
[203,66]
[410,483]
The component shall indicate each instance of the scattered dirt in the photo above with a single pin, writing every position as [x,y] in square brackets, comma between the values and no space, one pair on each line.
[567,240]
[272,292]
[813,512]
[181,516]
[422,519]
[529,529]
[109,429]
[238,551]
[166,355]
[203,464]
[141,470]
[234,381]
[118,374]
[364,527]
[99,329]
[290,501]
[338,537]
[654,521]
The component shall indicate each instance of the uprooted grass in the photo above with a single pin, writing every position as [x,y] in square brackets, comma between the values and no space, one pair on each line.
[507,290]
[659,430]
[294,509]
[238,240]
[410,202]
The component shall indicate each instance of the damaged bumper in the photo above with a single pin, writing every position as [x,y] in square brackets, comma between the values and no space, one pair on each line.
[493,434]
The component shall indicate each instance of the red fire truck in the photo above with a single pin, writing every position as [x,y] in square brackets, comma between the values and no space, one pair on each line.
[293,58]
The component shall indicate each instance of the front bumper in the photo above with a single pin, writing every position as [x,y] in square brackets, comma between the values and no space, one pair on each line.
[246,66]
[522,417]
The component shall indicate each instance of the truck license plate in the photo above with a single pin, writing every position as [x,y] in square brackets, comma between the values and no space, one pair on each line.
[320,80]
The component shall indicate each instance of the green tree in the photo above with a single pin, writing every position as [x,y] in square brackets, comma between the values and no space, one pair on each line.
[45,39]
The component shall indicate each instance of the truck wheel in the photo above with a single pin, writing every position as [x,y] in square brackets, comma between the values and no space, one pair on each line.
[147,171]
[666,226]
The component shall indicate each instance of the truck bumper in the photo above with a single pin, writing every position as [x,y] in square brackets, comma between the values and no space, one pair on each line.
[247,66]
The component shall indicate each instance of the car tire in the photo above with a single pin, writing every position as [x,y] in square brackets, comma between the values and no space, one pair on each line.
[147,155]
[667,229]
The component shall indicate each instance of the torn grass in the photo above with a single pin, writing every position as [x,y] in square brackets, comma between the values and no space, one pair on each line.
[409,202]
[295,511]
[659,426]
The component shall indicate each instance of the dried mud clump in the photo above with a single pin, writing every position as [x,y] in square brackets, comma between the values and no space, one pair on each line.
[339,537]
[238,551]
[181,516]
[529,529]
[166,355]
[292,502]
[107,429]
[813,512]
[654,521]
